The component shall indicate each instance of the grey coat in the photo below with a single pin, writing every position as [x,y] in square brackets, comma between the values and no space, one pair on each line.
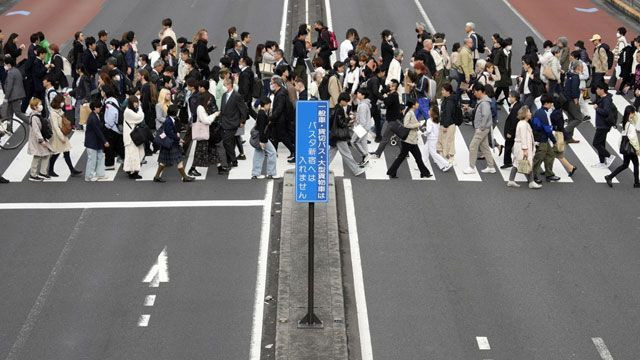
[13,87]
[483,118]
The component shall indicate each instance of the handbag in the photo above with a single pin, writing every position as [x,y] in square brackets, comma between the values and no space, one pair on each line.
[199,131]
[266,68]
[524,166]
[399,130]
[140,134]
[161,142]
[560,143]
[547,72]
[65,126]
[625,146]
[254,138]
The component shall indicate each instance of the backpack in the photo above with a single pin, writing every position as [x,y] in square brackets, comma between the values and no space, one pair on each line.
[45,127]
[256,88]
[612,119]
[458,117]
[480,44]
[333,42]
[323,89]
[626,56]
[607,49]
[494,111]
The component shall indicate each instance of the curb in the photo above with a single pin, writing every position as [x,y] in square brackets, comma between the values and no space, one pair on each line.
[628,9]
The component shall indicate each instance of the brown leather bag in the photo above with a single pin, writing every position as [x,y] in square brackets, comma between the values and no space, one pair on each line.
[65,126]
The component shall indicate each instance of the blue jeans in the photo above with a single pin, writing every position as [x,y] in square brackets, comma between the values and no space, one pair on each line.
[95,164]
[258,160]
[423,109]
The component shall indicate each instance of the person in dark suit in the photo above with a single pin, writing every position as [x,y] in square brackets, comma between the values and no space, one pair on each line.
[245,83]
[281,105]
[510,127]
[233,114]
[28,84]
[531,85]
[89,57]
[14,91]
[38,72]
[235,55]
[76,54]
[102,48]
[143,63]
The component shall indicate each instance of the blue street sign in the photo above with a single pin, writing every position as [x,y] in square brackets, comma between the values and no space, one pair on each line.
[312,151]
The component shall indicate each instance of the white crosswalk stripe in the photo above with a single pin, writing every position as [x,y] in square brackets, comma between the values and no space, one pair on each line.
[377,169]
[243,170]
[77,149]
[462,160]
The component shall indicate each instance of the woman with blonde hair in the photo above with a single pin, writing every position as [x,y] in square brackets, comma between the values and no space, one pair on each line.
[201,50]
[164,100]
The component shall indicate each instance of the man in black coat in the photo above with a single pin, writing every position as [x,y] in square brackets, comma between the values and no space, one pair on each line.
[89,59]
[374,84]
[233,114]
[425,56]
[245,84]
[102,49]
[510,127]
[279,112]
[38,72]
[235,55]
[322,45]
[76,54]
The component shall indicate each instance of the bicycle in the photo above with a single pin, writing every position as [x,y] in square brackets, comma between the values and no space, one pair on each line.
[13,133]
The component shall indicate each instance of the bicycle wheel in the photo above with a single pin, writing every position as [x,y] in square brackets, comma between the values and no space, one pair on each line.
[14,134]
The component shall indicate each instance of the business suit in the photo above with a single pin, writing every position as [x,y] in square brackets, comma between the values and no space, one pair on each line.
[14,94]
[233,113]
[279,119]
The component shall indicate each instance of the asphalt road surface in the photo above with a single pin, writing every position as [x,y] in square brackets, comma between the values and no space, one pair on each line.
[455,268]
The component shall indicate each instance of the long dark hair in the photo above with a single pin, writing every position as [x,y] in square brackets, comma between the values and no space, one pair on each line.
[532,48]
[627,114]
[133,100]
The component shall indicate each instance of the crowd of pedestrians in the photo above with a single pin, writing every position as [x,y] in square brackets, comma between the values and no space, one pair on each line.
[132,104]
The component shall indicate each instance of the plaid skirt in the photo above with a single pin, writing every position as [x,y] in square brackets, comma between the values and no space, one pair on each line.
[170,157]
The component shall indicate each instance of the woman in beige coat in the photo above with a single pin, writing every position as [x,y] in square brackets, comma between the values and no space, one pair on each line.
[133,154]
[410,144]
[523,148]
[37,146]
[59,142]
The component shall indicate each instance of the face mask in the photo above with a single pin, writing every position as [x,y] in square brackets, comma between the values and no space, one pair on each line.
[39,108]
[411,64]
[509,48]
[361,64]
[389,38]
[136,107]
[6,67]
[618,35]
[272,87]
[525,43]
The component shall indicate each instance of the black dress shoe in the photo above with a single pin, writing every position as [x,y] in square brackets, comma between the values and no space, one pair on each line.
[222,170]
[159,180]
[51,174]
[3,180]
[194,172]
[291,161]
[506,166]
[241,157]
[188,179]
[537,181]
[75,172]
[235,164]
[393,176]
[426,176]
[573,171]
[608,180]
[553,178]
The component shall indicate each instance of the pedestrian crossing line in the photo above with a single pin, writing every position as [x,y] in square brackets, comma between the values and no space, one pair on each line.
[148,170]
[77,149]
[588,157]
[110,175]
[337,166]
[19,167]
[377,169]
[243,170]
[497,135]
[602,348]
[202,170]
[462,159]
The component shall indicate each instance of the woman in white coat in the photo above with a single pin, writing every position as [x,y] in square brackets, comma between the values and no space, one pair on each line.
[429,147]
[523,148]
[59,142]
[133,154]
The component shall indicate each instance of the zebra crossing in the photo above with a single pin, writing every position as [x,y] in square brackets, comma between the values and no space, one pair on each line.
[18,169]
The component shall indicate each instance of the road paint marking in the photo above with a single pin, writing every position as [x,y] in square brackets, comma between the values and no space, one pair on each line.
[159,272]
[34,313]
[19,166]
[483,343]
[377,167]
[462,159]
[244,168]
[283,27]
[587,10]
[143,321]
[130,204]
[522,18]
[150,300]
[19,12]
[261,278]
[589,157]
[306,12]
[432,29]
[358,280]
[602,349]
[337,165]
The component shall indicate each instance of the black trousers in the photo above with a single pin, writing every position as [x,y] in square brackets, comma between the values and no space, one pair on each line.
[377,120]
[595,80]
[405,149]
[229,144]
[67,159]
[508,147]
[600,144]
[283,136]
[626,159]
[116,147]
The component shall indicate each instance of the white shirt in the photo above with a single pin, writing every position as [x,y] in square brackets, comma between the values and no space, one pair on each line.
[353,78]
[526,90]
[153,57]
[437,59]
[345,47]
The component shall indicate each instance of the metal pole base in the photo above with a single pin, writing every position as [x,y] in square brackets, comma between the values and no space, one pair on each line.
[310,321]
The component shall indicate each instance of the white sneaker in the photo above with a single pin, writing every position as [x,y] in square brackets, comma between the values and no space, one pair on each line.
[489,170]
[447,168]
[469,171]
[513,184]
[599,166]
[610,160]
[534,185]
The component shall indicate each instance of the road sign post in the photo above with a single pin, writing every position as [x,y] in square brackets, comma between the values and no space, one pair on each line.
[312,179]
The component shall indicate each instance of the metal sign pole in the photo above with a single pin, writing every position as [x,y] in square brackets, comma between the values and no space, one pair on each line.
[311,320]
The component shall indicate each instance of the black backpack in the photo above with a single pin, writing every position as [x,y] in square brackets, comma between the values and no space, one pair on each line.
[612,119]
[480,44]
[626,56]
[323,89]
[45,127]
[256,88]
[607,49]
[458,117]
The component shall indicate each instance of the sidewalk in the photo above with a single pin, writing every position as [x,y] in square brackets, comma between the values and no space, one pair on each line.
[629,7]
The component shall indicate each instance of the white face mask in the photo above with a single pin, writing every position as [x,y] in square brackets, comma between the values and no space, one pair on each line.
[389,38]
[272,87]
[525,43]
[39,108]
[509,48]
[6,67]
[361,64]
[411,64]
[618,34]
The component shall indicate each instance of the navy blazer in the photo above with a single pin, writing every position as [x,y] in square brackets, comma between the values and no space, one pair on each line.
[169,129]
[93,137]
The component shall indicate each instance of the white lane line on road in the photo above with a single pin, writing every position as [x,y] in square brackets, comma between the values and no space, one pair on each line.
[150,300]
[130,204]
[358,279]
[602,349]
[306,12]
[483,343]
[143,321]
[432,29]
[283,26]
[522,18]
[34,313]
[261,278]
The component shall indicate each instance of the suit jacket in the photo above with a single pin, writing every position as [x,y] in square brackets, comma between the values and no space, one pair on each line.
[512,120]
[235,60]
[233,111]
[169,129]
[90,62]
[13,87]
[38,72]
[103,53]
[245,84]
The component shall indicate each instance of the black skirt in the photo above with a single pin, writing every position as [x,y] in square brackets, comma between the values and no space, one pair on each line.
[205,154]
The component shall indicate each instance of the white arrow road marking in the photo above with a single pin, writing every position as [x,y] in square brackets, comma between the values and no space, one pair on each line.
[586,10]
[483,343]
[19,12]
[159,272]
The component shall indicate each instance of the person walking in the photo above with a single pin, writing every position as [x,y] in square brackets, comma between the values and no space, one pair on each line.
[365,121]
[37,145]
[113,128]
[410,144]
[59,142]
[14,93]
[429,147]
[171,152]
[133,154]
[523,148]
[448,126]
[630,126]
[394,113]
[265,148]
[95,142]
[543,134]
[510,126]
[603,106]
[573,94]
[557,122]
[482,123]
[207,151]
[599,62]
[340,134]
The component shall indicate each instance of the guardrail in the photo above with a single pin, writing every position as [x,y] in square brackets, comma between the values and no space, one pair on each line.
[630,7]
